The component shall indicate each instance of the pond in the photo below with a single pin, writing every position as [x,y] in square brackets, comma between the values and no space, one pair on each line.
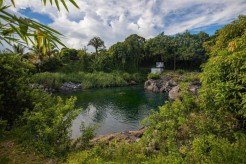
[114,109]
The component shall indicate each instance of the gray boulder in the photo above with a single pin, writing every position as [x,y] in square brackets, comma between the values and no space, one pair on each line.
[174,93]
[70,86]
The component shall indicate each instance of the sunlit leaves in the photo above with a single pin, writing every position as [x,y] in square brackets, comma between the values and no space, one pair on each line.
[22,30]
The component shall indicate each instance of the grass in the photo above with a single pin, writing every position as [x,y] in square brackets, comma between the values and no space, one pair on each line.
[87,80]
[12,152]
[182,75]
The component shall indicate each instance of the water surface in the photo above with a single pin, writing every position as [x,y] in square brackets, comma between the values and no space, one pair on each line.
[114,109]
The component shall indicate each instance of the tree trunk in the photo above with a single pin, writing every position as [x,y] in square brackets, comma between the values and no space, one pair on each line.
[96,52]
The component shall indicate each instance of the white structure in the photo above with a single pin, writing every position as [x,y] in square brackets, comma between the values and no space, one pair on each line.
[159,68]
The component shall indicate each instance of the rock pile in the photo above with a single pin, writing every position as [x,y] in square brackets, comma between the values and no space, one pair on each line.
[169,85]
[165,84]
[69,86]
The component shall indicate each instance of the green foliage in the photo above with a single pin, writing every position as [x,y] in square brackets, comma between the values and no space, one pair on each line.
[24,27]
[209,128]
[48,125]
[50,80]
[128,55]
[51,64]
[45,120]
[212,149]
[68,55]
[223,76]
[101,62]
[15,93]
[3,125]
[88,80]
[84,141]
[97,43]
[182,50]
[154,76]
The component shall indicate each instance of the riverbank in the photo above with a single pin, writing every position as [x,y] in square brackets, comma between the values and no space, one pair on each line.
[81,80]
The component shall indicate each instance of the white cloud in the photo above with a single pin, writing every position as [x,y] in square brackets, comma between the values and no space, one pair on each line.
[114,20]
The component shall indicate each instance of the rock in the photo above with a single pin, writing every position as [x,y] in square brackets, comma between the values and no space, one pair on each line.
[172,83]
[68,86]
[169,85]
[133,82]
[165,84]
[194,86]
[174,93]
[127,137]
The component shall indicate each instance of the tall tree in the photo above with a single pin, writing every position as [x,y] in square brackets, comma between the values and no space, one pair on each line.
[118,52]
[135,48]
[97,43]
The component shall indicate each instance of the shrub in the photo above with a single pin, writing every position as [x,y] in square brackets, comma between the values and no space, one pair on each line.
[15,92]
[45,120]
[48,126]
[50,80]
[69,55]
[3,125]
[51,64]
[154,76]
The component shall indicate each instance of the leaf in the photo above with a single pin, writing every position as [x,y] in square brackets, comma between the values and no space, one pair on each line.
[44,2]
[64,4]
[13,2]
[23,26]
[74,3]
[57,4]
[1,3]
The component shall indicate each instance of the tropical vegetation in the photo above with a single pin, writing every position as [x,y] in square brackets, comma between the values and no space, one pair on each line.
[208,128]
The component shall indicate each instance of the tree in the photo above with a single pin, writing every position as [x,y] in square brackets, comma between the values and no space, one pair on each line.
[135,49]
[97,43]
[118,52]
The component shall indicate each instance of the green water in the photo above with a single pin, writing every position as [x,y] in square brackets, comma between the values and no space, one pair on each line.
[114,109]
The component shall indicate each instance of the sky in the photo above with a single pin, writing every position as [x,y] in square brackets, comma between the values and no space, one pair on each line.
[114,20]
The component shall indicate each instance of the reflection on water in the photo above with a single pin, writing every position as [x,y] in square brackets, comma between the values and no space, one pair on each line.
[114,109]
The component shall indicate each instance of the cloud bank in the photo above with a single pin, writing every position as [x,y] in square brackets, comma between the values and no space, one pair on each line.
[114,20]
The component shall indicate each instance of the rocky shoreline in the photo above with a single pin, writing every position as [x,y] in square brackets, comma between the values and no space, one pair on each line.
[127,137]
[169,85]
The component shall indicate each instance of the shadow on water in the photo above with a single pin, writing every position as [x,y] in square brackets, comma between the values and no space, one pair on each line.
[114,109]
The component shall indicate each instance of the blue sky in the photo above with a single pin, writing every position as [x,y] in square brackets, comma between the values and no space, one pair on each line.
[114,20]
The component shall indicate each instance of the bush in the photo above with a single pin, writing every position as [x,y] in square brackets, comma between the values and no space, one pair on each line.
[69,55]
[15,92]
[50,80]
[48,125]
[51,64]
[154,76]
[44,121]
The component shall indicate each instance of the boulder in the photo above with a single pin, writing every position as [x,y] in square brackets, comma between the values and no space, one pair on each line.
[194,86]
[174,93]
[69,86]
[126,137]
[165,84]
[133,82]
